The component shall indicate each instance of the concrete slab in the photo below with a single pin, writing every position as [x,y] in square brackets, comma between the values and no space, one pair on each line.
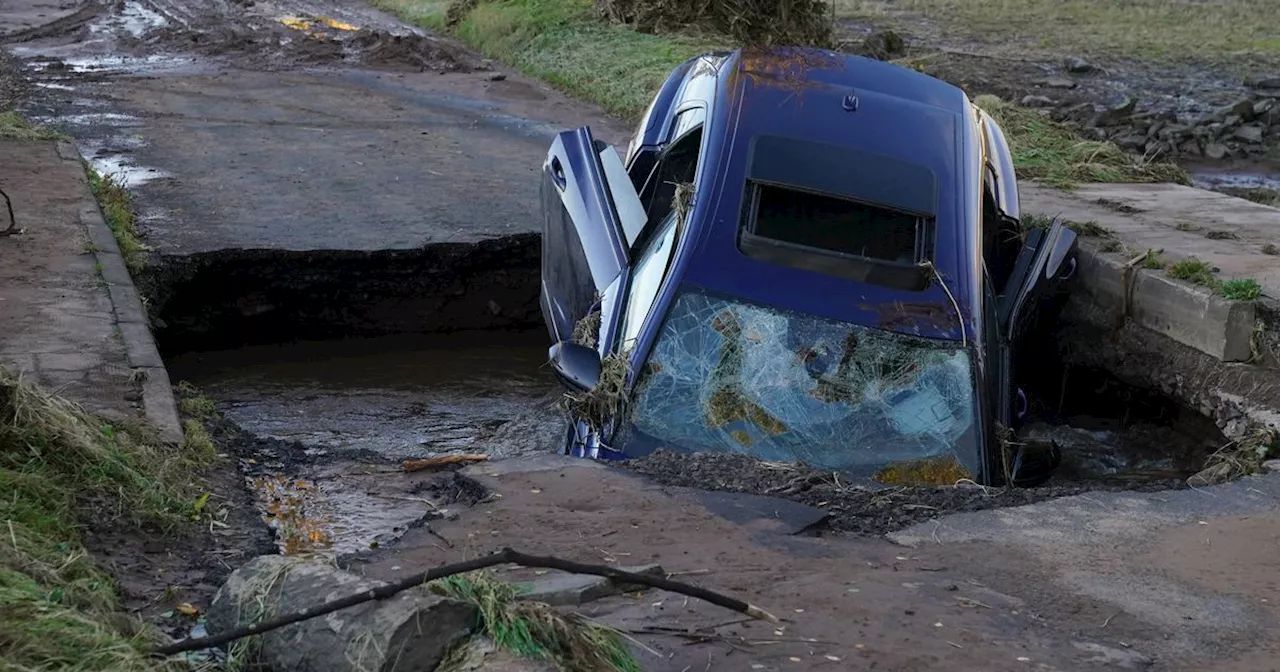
[1179,220]
[559,589]
[63,329]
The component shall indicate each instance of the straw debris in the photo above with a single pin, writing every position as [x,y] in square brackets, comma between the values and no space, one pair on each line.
[537,631]
[747,22]
[607,399]
[1241,457]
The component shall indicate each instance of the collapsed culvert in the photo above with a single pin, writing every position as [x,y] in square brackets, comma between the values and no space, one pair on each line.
[232,298]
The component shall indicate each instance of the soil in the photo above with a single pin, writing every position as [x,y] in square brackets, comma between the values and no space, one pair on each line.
[848,602]
[852,508]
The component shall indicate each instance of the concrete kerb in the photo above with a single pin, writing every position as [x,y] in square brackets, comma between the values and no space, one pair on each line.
[158,402]
[1218,327]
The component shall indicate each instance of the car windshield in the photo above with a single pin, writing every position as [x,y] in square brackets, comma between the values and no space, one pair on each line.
[726,375]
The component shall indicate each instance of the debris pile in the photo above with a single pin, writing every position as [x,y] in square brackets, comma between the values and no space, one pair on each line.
[747,22]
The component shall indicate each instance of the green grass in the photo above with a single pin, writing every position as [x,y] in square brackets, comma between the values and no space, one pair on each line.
[563,43]
[1241,289]
[1171,30]
[117,209]
[1193,271]
[60,468]
[1263,195]
[14,127]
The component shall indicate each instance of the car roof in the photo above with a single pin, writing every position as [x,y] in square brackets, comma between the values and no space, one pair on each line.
[800,95]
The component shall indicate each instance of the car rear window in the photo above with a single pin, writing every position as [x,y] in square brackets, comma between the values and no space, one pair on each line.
[836,225]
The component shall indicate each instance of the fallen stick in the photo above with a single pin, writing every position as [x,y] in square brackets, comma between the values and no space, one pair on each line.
[410,466]
[503,557]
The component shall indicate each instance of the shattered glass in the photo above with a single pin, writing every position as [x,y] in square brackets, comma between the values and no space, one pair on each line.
[730,376]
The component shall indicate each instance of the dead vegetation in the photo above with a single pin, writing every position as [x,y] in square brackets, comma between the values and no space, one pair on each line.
[537,631]
[1242,457]
[607,399]
[59,465]
[747,22]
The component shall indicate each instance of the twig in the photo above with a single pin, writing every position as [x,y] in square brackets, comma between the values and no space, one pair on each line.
[410,466]
[503,557]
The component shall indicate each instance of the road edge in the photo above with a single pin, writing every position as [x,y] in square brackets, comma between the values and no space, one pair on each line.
[159,404]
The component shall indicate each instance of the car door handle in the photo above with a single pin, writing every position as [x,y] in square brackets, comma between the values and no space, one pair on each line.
[557,173]
[1070,271]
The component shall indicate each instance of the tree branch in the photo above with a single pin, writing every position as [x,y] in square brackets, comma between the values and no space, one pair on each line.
[503,557]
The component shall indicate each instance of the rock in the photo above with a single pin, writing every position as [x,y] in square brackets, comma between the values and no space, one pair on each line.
[1215,150]
[1131,140]
[1057,83]
[1242,108]
[1190,147]
[1271,466]
[565,590]
[1232,120]
[497,77]
[1037,101]
[410,631]
[1078,65]
[1263,82]
[480,653]
[1114,115]
[1267,111]
[1109,656]
[1251,133]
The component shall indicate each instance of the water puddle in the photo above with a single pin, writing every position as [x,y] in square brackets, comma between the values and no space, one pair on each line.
[132,18]
[360,406]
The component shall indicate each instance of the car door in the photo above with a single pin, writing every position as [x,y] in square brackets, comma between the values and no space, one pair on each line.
[591,214]
[1028,309]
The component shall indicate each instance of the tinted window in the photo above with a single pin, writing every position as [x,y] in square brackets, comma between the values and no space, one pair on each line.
[646,279]
[678,165]
[836,225]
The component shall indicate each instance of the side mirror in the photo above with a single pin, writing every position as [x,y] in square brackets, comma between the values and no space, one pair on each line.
[576,366]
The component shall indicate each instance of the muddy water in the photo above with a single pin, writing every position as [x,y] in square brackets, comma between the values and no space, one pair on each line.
[360,406]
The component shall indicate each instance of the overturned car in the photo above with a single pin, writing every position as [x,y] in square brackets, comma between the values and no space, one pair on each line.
[803,256]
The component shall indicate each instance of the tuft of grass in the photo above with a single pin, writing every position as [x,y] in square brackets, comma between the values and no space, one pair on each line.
[1188,226]
[14,127]
[117,210]
[1153,261]
[194,404]
[1047,151]
[1271,249]
[1240,289]
[1194,271]
[59,466]
[537,631]
[566,44]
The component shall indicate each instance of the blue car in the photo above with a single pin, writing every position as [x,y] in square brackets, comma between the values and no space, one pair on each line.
[802,256]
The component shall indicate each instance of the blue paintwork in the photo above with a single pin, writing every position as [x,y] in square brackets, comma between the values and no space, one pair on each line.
[899,113]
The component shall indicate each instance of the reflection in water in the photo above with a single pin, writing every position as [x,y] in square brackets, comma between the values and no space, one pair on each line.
[389,398]
[396,396]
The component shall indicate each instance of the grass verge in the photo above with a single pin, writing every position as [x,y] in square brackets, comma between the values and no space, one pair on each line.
[1198,272]
[564,43]
[60,466]
[117,209]
[14,127]
[537,631]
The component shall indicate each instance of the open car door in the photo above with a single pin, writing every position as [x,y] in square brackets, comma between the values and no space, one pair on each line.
[1028,310]
[591,213]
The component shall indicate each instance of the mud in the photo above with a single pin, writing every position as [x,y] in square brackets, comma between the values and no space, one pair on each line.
[853,508]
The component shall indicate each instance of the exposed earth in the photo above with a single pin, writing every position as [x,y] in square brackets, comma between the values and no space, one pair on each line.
[318,170]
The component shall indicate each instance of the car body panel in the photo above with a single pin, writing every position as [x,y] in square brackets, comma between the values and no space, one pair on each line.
[871,115]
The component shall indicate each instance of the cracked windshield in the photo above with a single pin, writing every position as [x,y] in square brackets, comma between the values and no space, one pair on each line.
[726,375]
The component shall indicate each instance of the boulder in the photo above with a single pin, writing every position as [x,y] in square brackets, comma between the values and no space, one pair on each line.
[480,654]
[1251,133]
[1265,82]
[1037,101]
[1078,65]
[1116,114]
[1216,150]
[1057,83]
[412,630]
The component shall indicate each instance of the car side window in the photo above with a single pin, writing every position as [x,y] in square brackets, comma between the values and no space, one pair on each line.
[1001,239]
[677,165]
[646,279]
